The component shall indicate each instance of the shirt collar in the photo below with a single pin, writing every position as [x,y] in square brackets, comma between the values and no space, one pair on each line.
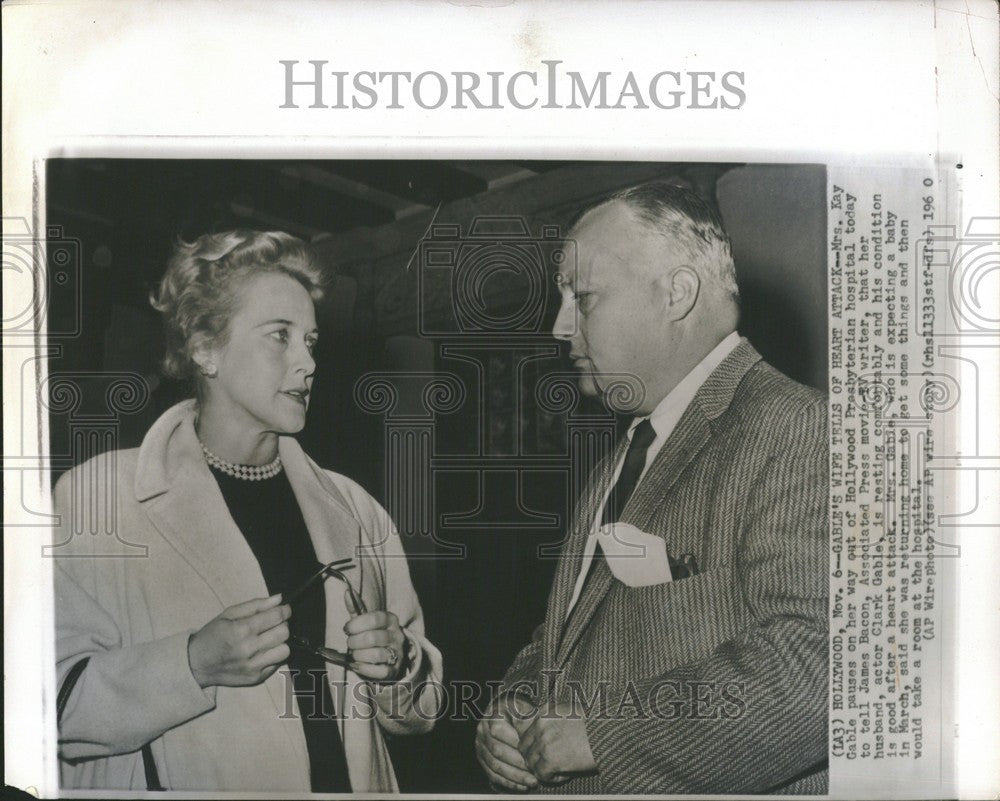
[669,410]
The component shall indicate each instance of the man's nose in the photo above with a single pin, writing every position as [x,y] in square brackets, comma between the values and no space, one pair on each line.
[565,326]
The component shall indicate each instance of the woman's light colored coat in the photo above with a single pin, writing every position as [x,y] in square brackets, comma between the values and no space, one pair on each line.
[185,562]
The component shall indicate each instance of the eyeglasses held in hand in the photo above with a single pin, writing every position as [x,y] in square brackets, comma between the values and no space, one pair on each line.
[336,569]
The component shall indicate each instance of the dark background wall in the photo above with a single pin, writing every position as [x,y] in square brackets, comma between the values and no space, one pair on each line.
[477,487]
[776,218]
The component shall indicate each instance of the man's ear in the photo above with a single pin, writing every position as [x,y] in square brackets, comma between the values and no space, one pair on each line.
[682,288]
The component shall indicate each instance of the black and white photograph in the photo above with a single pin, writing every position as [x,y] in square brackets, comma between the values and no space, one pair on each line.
[481,463]
[500,399]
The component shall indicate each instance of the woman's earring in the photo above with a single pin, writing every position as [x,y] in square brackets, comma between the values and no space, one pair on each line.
[209,370]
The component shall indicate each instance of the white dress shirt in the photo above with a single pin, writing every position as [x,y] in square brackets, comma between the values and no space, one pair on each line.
[663,419]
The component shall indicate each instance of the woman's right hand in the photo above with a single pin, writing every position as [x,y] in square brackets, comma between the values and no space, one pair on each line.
[242,646]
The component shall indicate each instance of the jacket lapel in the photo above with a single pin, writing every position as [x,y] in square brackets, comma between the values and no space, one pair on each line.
[692,432]
[571,563]
[682,446]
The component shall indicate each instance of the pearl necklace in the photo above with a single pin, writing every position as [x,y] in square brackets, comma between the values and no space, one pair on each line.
[248,472]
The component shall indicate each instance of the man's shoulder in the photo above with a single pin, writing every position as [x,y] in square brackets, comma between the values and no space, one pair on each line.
[764,386]
[767,399]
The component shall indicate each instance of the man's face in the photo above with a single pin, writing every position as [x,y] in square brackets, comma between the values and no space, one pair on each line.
[612,311]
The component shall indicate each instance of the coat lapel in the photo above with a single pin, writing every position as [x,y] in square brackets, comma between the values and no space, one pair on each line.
[182,499]
[194,518]
[333,529]
[336,534]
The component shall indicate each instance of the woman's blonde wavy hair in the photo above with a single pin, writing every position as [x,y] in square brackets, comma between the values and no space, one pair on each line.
[200,291]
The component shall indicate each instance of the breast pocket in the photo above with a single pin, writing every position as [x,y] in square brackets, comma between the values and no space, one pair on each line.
[681,621]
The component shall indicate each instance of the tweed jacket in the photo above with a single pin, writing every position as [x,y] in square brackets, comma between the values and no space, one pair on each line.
[715,683]
[185,562]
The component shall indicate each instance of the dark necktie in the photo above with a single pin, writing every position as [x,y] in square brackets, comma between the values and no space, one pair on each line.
[635,461]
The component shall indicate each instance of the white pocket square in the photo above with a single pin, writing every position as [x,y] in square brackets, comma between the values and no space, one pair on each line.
[636,559]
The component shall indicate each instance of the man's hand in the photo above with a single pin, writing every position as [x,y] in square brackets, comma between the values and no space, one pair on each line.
[555,746]
[497,744]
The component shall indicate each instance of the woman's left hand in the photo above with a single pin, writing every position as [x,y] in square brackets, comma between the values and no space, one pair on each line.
[377,645]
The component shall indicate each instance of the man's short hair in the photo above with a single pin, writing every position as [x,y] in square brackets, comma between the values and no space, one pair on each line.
[682,216]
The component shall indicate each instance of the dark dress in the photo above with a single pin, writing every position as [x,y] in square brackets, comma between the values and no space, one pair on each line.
[269,516]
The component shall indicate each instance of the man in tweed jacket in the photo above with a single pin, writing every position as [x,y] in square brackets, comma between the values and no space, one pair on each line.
[714,681]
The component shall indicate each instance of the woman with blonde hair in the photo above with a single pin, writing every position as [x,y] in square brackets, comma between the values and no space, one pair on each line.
[272,634]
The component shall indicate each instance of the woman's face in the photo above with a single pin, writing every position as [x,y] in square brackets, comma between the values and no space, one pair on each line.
[265,369]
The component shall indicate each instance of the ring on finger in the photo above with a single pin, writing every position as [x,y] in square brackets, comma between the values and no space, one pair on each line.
[393,657]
